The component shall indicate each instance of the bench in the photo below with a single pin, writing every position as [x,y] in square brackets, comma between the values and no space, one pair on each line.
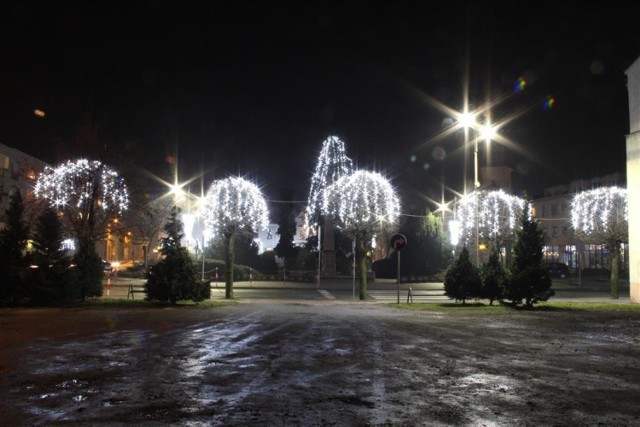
[135,290]
[427,293]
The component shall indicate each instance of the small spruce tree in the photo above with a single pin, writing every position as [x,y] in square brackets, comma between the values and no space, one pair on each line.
[494,277]
[462,281]
[529,279]
[13,240]
[174,278]
[51,281]
[88,271]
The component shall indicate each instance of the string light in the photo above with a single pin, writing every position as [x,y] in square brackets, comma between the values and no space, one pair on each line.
[497,214]
[599,211]
[71,188]
[362,201]
[234,204]
[332,165]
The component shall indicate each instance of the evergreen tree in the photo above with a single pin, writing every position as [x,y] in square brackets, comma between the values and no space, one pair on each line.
[51,281]
[88,271]
[529,277]
[174,278]
[462,281]
[494,277]
[13,240]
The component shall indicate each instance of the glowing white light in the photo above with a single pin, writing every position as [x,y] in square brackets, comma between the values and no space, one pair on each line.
[68,244]
[467,120]
[188,221]
[496,212]
[74,186]
[362,201]
[72,183]
[600,211]
[232,205]
[488,132]
[454,231]
[332,165]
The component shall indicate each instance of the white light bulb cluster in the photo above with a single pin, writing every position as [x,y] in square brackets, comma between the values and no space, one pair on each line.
[496,212]
[72,184]
[363,202]
[597,211]
[332,165]
[234,204]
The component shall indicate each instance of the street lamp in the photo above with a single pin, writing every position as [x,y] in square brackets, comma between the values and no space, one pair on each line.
[486,132]
[466,120]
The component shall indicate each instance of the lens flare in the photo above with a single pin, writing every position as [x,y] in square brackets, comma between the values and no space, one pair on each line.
[548,103]
[519,85]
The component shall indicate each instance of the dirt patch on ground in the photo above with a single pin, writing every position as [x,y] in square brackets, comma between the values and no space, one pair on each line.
[318,364]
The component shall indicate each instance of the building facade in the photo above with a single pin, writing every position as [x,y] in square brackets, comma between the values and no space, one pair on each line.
[633,178]
[18,172]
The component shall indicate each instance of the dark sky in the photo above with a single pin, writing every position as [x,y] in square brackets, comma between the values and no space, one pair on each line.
[253,88]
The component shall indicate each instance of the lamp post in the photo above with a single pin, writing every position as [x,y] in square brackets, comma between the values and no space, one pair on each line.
[486,132]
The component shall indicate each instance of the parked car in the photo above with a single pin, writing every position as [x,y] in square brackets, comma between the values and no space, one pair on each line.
[558,269]
[127,265]
[106,266]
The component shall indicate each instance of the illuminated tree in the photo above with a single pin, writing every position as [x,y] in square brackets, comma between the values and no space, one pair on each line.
[601,216]
[89,194]
[332,164]
[495,213]
[233,206]
[364,204]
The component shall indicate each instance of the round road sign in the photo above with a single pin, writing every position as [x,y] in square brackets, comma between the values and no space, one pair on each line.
[398,242]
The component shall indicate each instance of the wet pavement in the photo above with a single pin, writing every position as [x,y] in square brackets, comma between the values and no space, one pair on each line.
[318,362]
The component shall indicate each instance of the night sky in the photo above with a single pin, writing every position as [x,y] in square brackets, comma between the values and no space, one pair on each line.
[253,88]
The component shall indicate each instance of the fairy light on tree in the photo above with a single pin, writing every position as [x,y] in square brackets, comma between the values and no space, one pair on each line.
[88,193]
[493,215]
[364,204]
[233,206]
[332,165]
[601,216]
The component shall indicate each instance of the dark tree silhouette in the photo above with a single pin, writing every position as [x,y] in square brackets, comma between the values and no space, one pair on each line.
[13,240]
[462,281]
[529,277]
[174,278]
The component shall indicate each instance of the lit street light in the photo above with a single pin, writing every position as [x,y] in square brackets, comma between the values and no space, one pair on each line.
[487,132]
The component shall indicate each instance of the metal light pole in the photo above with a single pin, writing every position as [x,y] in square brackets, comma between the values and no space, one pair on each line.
[476,186]
[203,255]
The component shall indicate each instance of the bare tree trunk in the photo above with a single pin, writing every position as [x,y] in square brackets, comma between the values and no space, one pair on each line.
[363,274]
[229,254]
[615,260]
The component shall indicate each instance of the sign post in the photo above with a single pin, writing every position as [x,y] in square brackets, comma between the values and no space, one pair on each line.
[353,253]
[398,242]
